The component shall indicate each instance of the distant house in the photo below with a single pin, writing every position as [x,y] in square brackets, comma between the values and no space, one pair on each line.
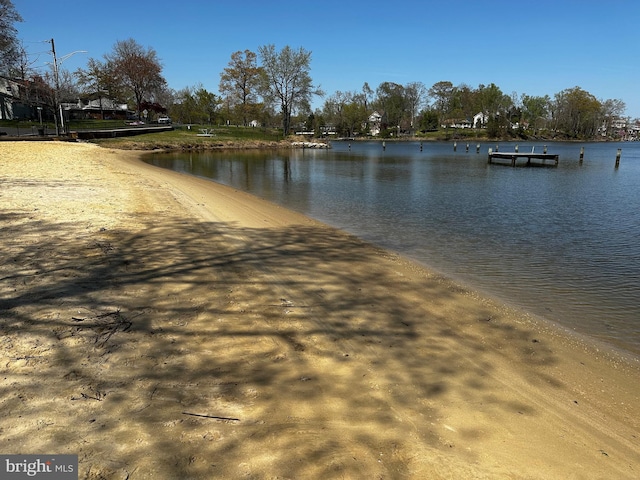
[375,123]
[456,123]
[9,96]
[633,131]
[617,127]
[480,120]
[95,108]
[24,99]
[327,130]
[619,123]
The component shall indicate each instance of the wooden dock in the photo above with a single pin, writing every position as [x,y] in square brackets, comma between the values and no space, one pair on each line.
[533,159]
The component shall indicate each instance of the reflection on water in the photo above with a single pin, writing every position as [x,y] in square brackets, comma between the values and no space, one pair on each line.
[560,242]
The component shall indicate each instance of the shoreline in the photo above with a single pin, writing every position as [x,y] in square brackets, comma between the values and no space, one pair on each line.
[586,318]
[622,352]
[182,327]
[587,341]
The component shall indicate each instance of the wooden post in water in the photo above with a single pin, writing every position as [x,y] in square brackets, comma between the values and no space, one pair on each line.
[517,148]
[490,152]
[581,154]
[545,149]
[420,146]
[455,145]
[496,147]
[467,148]
[618,157]
[384,145]
[478,148]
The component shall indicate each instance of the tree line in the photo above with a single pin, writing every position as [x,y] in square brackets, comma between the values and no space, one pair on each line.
[271,86]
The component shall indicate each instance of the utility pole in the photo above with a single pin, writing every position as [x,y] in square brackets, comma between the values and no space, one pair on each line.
[56,92]
[56,79]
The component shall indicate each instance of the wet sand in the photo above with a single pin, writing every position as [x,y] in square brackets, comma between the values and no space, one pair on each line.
[164,326]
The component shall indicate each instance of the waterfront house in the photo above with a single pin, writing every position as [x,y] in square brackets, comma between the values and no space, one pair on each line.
[480,120]
[375,123]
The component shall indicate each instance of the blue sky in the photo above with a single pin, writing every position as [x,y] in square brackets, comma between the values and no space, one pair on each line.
[537,47]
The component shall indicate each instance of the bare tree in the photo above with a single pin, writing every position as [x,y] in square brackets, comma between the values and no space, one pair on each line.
[134,71]
[9,48]
[239,82]
[415,93]
[23,66]
[367,94]
[611,110]
[93,78]
[286,80]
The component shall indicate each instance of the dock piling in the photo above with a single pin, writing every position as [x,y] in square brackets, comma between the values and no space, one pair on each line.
[618,155]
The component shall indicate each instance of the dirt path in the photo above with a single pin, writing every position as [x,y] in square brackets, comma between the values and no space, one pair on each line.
[161,326]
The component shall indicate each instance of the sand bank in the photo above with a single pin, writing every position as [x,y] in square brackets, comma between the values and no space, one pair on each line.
[162,326]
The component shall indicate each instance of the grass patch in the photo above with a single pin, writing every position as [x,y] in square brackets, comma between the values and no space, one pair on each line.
[183,138]
[26,125]
[448,134]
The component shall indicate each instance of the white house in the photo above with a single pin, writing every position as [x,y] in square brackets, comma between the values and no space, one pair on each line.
[480,120]
[375,122]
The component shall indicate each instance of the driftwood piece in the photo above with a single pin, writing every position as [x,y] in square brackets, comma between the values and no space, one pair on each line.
[228,419]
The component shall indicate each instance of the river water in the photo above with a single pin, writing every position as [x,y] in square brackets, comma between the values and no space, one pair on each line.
[562,243]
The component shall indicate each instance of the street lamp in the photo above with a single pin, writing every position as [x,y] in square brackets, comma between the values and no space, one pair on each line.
[56,78]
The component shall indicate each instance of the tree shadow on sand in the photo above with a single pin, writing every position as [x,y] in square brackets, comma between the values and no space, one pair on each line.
[201,350]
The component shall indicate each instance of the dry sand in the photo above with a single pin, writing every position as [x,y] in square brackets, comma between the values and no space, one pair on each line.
[162,326]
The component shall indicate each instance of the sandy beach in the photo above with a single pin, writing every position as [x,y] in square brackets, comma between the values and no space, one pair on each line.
[163,326]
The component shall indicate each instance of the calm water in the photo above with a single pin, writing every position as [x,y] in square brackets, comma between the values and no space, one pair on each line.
[562,243]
